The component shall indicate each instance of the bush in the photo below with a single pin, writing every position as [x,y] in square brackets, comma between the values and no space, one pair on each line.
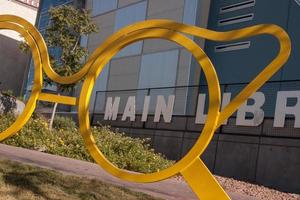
[129,153]
[64,123]
[34,135]
[125,152]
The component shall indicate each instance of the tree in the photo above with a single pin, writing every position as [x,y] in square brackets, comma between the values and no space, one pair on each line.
[66,27]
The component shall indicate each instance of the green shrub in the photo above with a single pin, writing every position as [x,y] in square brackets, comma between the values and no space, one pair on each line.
[64,123]
[34,135]
[129,153]
[6,121]
[125,152]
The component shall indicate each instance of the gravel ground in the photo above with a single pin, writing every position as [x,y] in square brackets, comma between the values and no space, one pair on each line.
[259,192]
[252,190]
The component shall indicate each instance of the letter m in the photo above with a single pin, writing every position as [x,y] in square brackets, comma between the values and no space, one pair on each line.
[111,109]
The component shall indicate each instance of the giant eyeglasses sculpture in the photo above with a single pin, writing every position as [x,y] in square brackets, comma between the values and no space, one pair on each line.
[190,166]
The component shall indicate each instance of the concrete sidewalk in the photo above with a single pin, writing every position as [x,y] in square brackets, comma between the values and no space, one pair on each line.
[169,189]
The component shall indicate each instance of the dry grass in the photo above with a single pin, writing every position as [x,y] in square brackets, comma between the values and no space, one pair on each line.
[20,182]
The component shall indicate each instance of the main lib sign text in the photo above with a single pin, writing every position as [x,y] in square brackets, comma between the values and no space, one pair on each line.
[165,109]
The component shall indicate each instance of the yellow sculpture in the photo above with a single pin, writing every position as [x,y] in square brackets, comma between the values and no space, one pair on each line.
[190,166]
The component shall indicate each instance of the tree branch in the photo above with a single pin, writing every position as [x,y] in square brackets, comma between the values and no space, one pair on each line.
[76,44]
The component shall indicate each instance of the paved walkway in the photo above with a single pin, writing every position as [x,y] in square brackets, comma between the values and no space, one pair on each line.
[170,189]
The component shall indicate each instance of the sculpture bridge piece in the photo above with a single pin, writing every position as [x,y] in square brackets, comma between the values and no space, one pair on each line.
[190,166]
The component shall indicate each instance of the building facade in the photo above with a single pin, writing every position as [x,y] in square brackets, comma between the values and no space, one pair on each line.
[155,88]
[26,9]
[9,47]
[251,146]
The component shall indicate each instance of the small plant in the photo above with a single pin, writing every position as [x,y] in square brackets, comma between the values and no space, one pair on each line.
[129,153]
[64,123]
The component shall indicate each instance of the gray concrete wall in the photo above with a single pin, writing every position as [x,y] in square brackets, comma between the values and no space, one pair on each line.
[245,153]
[13,65]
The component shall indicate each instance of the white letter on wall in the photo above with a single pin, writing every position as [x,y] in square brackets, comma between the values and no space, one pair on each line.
[145,108]
[282,109]
[200,116]
[129,110]
[255,109]
[111,109]
[165,110]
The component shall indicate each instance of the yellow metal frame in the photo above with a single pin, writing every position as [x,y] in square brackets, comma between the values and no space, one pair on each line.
[190,166]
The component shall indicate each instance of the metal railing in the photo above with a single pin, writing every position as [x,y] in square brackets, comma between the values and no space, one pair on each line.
[186,99]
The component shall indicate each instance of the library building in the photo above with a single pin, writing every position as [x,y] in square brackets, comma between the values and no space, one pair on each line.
[155,88]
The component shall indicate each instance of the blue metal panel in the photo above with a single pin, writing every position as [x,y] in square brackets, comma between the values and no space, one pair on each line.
[290,86]
[292,70]
[240,64]
[266,11]
[269,90]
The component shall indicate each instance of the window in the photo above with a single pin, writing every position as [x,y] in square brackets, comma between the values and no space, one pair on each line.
[190,12]
[43,33]
[102,6]
[158,70]
[98,97]
[44,20]
[60,2]
[30,76]
[84,40]
[55,52]
[126,16]
[45,5]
